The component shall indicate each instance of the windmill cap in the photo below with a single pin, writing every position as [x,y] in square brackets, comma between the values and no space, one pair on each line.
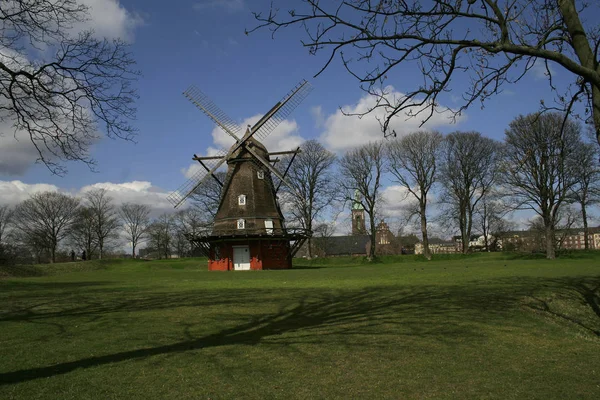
[256,145]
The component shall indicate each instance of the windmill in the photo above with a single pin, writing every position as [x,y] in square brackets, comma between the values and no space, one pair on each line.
[249,230]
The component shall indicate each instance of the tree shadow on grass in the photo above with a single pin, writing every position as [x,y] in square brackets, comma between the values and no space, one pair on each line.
[449,314]
[574,301]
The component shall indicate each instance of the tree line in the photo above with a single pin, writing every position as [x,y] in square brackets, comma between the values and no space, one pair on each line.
[52,226]
[545,164]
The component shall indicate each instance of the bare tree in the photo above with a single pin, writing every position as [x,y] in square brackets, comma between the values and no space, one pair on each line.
[361,170]
[586,191]
[413,162]
[82,234]
[491,43]
[6,216]
[135,219]
[468,171]
[488,216]
[313,187]
[539,165]
[45,219]
[189,222]
[77,85]
[160,235]
[207,196]
[105,219]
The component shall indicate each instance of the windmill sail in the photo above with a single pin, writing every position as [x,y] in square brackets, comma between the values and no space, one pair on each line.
[205,104]
[188,187]
[281,110]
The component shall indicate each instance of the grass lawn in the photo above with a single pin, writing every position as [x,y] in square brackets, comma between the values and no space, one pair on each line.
[488,326]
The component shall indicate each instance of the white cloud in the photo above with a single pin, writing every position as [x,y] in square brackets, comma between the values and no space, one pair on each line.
[539,70]
[344,132]
[317,113]
[14,192]
[139,192]
[108,18]
[396,199]
[191,170]
[227,5]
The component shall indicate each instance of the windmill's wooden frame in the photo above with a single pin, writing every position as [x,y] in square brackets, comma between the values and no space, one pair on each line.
[249,229]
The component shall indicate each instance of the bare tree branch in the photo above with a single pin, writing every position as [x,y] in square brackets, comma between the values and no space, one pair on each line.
[492,43]
[77,86]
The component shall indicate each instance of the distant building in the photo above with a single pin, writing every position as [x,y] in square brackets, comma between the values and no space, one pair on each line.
[358,243]
[567,239]
[438,246]
[358,215]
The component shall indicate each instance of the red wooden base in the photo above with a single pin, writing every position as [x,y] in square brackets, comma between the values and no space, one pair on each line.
[264,254]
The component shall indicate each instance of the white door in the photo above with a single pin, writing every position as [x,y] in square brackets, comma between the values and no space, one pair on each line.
[241,258]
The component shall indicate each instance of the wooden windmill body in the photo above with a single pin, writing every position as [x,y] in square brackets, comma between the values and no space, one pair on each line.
[249,231]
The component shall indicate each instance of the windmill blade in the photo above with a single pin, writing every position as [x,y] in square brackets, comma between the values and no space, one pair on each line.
[188,187]
[205,104]
[281,110]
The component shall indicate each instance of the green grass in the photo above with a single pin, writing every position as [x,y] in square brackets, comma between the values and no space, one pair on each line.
[488,326]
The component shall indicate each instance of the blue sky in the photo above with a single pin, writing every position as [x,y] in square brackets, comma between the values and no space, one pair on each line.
[202,42]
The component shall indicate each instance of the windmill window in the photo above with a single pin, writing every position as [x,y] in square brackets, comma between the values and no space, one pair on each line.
[241,224]
[260,174]
[217,253]
[242,199]
[269,227]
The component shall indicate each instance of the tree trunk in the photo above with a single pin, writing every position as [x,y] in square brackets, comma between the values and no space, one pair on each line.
[309,248]
[469,224]
[100,246]
[372,254]
[426,251]
[463,232]
[581,45]
[585,226]
[132,250]
[550,251]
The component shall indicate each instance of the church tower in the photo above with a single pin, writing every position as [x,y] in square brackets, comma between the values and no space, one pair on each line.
[358,215]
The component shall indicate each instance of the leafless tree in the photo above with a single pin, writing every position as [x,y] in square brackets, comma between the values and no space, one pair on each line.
[45,219]
[566,219]
[586,191]
[468,172]
[313,186]
[76,85]
[160,235]
[189,222]
[105,217]
[135,219]
[6,217]
[207,196]
[413,162]
[489,43]
[488,217]
[361,171]
[539,165]
[82,234]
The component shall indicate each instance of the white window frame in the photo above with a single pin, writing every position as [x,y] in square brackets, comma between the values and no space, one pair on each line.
[268,228]
[242,200]
[260,174]
[241,223]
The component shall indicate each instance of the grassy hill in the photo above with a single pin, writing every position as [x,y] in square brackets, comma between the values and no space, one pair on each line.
[483,326]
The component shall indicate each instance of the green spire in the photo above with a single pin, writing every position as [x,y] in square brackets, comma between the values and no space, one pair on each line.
[356,204]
